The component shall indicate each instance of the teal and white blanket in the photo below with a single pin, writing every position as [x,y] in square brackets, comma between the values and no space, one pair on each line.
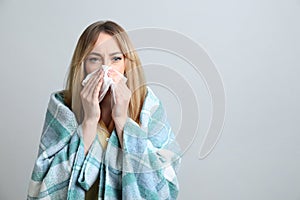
[145,168]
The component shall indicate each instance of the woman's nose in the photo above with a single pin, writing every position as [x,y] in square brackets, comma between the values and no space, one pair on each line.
[107,61]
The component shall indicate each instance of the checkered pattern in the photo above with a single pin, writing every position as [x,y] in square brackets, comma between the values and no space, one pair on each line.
[144,169]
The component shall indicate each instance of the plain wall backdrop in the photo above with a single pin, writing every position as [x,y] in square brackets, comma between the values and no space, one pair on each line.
[254,44]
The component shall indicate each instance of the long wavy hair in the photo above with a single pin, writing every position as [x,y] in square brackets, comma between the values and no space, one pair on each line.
[133,69]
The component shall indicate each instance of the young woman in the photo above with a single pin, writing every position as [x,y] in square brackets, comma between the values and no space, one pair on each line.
[106,136]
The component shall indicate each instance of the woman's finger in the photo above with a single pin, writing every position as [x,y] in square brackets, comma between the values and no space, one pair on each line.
[98,87]
[95,75]
[114,75]
[121,91]
[86,87]
[92,83]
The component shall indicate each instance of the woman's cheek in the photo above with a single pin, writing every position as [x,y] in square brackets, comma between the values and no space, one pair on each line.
[90,69]
[115,77]
[120,67]
[112,75]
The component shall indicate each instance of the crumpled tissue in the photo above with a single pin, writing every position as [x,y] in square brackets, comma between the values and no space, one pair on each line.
[107,81]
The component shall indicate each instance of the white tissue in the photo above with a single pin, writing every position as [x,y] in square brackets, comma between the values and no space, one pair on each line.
[107,81]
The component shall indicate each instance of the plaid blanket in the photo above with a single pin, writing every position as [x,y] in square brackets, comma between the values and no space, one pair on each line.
[145,168]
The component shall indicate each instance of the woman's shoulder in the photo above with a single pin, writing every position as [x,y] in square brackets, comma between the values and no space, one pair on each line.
[151,100]
[150,95]
[58,98]
[58,107]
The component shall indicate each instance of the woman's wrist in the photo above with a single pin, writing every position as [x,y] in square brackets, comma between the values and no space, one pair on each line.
[89,129]
[119,124]
[89,123]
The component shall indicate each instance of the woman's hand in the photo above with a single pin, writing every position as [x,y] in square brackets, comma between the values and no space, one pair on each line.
[120,108]
[89,98]
[92,113]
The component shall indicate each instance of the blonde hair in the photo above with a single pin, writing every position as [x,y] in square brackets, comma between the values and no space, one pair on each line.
[133,69]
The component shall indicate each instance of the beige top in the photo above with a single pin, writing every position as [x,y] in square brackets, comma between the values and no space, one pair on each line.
[104,133]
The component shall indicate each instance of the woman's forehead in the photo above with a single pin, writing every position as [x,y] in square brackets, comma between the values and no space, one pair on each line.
[105,43]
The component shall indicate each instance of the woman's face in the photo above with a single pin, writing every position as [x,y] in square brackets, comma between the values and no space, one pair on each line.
[105,52]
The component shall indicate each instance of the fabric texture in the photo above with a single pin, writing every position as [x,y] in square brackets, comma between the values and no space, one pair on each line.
[145,168]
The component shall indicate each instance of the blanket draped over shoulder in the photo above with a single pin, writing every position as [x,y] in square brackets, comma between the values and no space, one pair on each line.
[145,168]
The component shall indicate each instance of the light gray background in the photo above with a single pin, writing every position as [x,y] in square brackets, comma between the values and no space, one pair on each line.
[254,44]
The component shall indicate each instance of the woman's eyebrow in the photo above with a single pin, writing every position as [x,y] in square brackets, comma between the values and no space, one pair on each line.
[112,54]
[96,54]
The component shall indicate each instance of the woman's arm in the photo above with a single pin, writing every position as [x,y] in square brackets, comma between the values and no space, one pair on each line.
[62,169]
[120,108]
[151,156]
[58,146]
[89,129]
[90,103]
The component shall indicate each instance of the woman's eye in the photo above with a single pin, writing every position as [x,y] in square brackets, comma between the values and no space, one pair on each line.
[116,58]
[94,60]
